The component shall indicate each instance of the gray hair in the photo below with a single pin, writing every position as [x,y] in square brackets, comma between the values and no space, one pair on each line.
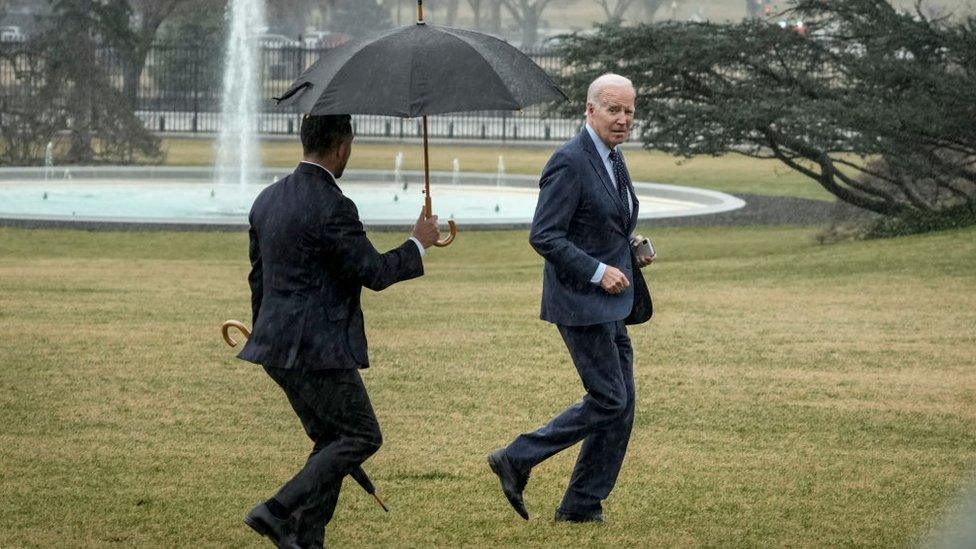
[604,81]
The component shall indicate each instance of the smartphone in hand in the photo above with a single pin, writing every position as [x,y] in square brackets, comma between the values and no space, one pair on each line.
[643,247]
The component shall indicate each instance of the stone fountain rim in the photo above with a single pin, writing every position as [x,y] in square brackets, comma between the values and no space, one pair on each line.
[715,201]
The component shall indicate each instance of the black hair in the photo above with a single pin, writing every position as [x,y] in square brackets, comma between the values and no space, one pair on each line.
[323,133]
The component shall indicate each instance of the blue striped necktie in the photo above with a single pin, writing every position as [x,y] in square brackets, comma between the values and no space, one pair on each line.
[623,183]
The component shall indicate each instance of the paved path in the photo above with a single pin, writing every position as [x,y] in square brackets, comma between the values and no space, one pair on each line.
[770,210]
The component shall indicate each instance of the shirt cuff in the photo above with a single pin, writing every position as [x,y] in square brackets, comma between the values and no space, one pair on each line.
[598,275]
[419,246]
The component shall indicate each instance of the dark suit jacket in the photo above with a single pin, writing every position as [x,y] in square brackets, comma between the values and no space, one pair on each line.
[579,223]
[310,259]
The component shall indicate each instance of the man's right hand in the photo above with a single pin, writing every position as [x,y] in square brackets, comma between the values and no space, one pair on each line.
[613,280]
[426,231]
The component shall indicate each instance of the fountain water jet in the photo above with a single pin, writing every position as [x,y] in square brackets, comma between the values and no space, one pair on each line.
[48,160]
[238,156]
[398,170]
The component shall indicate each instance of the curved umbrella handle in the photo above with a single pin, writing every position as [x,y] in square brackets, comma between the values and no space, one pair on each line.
[448,240]
[225,330]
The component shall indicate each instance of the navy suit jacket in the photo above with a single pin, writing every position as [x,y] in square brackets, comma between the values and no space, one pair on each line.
[579,222]
[310,259]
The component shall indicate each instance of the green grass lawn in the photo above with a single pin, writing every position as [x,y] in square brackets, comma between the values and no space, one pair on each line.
[731,173]
[788,394]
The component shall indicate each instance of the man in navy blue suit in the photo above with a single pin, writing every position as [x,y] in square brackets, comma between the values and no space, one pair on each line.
[310,260]
[592,288]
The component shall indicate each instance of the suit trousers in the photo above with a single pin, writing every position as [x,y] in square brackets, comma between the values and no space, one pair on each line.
[335,411]
[603,419]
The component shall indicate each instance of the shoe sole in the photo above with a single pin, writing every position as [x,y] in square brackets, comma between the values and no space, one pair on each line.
[578,520]
[258,526]
[261,528]
[511,501]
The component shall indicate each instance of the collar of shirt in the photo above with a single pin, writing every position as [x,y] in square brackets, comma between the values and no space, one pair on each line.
[323,167]
[603,151]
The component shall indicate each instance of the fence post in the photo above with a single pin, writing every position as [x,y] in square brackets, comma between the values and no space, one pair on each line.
[196,88]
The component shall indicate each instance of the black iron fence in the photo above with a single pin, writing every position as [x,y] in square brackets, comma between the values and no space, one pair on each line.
[179,90]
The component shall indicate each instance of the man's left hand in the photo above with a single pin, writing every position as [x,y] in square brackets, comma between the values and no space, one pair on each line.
[642,260]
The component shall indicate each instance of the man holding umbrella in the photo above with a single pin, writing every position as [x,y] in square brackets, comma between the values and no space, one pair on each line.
[310,259]
[592,288]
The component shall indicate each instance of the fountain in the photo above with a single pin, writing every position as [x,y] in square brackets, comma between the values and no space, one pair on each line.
[167,196]
[171,196]
[398,170]
[238,154]
[48,160]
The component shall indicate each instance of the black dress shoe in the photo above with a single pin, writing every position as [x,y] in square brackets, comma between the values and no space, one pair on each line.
[277,530]
[562,516]
[513,481]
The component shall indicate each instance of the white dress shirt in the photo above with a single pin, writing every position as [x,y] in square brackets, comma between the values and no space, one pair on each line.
[415,241]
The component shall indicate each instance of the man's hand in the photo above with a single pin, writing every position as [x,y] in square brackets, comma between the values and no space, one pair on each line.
[426,231]
[613,280]
[645,260]
[642,260]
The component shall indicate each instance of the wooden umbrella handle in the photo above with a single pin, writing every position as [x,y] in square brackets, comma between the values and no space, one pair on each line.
[225,330]
[448,240]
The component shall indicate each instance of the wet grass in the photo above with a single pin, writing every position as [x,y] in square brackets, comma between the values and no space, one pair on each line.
[788,394]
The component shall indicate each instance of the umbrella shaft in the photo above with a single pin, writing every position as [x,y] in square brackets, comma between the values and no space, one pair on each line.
[420,11]
[427,207]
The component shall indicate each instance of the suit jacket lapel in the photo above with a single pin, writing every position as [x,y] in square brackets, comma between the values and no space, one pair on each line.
[601,170]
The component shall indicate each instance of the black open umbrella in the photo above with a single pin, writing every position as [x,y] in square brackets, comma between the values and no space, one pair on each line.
[419,70]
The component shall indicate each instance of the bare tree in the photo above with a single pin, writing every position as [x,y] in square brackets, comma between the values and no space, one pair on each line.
[495,16]
[527,14]
[615,9]
[292,16]
[476,9]
[148,15]
[651,7]
[452,12]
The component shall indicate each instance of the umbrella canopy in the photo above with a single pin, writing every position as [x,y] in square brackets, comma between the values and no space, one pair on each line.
[421,70]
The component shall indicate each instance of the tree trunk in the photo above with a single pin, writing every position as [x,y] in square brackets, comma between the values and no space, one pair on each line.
[621,9]
[616,13]
[651,8]
[81,150]
[476,9]
[530,28]
[452,12]
[495,16]
[134,65]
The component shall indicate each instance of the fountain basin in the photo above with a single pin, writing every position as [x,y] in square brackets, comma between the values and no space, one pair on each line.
[188,198]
